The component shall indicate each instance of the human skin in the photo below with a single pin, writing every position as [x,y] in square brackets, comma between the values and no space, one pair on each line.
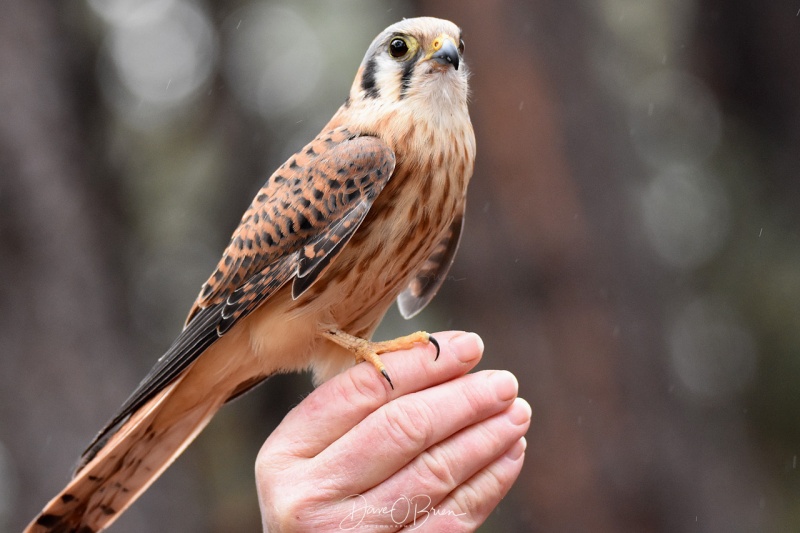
[437,453]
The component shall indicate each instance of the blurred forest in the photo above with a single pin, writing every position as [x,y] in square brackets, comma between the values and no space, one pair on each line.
[631,251]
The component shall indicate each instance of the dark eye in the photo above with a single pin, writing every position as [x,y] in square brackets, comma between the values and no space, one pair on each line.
[461,46]
[398,47]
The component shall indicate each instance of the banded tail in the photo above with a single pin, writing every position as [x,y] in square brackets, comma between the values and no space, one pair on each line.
[132,459]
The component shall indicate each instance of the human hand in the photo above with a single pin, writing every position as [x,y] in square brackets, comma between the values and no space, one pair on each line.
[437,453]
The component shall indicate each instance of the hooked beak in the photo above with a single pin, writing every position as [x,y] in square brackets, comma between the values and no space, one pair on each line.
[445,52]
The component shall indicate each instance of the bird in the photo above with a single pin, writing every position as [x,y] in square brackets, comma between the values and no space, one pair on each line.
[369,212]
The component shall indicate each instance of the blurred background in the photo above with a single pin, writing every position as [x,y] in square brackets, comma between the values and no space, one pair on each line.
[631,250]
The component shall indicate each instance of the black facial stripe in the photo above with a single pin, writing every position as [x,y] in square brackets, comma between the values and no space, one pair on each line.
[368,79]
[408,72]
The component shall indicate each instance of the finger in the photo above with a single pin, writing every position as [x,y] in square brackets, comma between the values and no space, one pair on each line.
[339,404]
[437,471]
[468,506]
[390,438]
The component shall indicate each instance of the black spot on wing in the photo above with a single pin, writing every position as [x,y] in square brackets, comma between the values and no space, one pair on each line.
[326,247]
[48,520]
[353,189]
[258,288]
[368,80]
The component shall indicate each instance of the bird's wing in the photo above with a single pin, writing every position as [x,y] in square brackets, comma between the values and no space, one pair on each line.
[299,221]
[307,201]
[429,278]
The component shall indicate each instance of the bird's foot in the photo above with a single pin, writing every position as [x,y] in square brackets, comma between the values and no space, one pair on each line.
[365,350]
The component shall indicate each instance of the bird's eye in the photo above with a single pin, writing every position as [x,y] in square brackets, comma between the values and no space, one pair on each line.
[461,46]
[398,47]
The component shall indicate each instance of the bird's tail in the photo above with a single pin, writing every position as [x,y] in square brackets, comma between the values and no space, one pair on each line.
[133,458]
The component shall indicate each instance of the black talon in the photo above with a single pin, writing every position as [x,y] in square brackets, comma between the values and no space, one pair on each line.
[386,375]
[435,343]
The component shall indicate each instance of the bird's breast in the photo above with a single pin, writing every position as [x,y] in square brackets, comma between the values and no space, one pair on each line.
[406,221]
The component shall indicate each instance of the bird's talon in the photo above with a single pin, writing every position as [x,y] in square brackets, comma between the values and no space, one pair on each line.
[433,341]
[386,375]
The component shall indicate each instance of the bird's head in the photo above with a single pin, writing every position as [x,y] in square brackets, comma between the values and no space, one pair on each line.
[417,60]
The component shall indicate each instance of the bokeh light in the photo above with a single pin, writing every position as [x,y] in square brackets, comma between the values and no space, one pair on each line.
[686,217]
[156,59]
[712,351]
[273,58]
[124,12]
[674,120]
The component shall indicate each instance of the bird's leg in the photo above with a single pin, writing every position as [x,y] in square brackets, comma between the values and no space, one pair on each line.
[365,350]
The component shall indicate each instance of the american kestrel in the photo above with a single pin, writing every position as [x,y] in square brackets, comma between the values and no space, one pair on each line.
[368,212]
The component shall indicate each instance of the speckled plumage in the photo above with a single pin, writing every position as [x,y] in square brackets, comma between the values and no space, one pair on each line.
[368,212]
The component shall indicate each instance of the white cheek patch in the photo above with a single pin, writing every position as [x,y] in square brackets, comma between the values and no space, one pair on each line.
[387,77]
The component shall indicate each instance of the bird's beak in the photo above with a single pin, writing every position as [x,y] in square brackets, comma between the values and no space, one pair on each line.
[445,51]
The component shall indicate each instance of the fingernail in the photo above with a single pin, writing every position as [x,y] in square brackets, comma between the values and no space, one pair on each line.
[517,449]
[467,347]
[505,385]
[519,413]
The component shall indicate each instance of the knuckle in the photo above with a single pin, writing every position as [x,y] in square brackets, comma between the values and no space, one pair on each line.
[358,387]
[284,513]
[469,501]
[490,439]
[277,509]
[285,510]
[407,425]
[262,462]
[267,469]
[477,398]
[435,469]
